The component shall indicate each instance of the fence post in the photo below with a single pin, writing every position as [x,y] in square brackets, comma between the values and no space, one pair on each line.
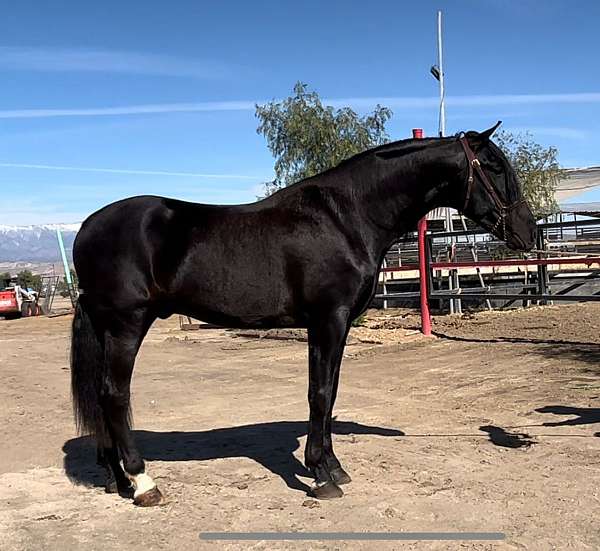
[383,285]
[423,264]
[542,270]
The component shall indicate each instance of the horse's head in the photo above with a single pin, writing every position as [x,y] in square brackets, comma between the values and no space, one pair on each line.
[492,194]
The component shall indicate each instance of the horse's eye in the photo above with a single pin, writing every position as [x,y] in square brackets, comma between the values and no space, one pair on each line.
[496,169]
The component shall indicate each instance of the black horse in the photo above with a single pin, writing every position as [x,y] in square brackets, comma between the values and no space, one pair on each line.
[307,256]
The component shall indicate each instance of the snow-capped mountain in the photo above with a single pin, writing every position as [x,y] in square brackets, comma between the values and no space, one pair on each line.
[35,243]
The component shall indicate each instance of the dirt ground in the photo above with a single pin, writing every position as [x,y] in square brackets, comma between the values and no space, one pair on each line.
[491,426]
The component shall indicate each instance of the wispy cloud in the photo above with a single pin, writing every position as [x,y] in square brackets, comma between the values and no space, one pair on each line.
[140,172]
[469,101]
[393,102]
[524,99]
[30,211]
[59,206]
[107,61]
[130,110]
[553,131]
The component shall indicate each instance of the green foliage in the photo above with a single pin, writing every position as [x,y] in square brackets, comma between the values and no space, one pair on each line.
[307,137]
[537,168]
[62,287]
[360,320]
[4,278]
[27,280]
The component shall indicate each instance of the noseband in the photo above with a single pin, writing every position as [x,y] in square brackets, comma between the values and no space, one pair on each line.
[475,166]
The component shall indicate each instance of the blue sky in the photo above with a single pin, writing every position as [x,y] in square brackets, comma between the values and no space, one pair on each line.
[156,97]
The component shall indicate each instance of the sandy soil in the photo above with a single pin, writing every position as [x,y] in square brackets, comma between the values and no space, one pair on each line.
[491,426]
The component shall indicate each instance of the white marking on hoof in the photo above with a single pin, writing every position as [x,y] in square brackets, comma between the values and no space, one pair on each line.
[142,483]
[316,484]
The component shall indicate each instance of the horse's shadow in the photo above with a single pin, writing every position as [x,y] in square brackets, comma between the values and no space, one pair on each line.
[270,444]
[583,416]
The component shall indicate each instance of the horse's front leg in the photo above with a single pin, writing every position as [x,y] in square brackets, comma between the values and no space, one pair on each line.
[326,340]
[337,473]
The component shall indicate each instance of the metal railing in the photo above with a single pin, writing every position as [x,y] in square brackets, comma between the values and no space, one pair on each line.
[538,292]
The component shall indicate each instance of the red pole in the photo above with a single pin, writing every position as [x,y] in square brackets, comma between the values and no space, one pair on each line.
[422,230]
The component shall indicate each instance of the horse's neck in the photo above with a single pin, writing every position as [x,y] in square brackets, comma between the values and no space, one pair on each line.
[408,188]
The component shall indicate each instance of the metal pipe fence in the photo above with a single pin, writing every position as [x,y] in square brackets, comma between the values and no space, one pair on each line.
[549,233]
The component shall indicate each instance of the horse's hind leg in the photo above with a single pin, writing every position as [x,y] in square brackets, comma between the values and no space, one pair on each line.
[122,342]
[116,480]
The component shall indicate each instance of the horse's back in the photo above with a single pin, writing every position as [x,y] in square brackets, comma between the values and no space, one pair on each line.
[263,264]
[182,257]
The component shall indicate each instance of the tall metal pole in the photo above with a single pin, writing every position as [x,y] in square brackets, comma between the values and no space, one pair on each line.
[442,123]
[63,254]
[455,305]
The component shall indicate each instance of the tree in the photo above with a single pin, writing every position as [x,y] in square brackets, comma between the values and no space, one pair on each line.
[537,168]
[4,279]
[27,280]
[63,287]
[307,137]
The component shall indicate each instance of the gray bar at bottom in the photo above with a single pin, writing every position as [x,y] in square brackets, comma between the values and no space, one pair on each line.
[370,536]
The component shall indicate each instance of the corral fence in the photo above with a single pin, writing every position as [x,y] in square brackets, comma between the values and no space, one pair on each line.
[564,267]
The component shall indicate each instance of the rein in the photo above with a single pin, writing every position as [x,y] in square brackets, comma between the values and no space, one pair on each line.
[475,166]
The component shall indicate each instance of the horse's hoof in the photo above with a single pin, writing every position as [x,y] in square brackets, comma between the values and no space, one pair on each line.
[125,491]
[151,498]
[340,476]
[111,487]
[326,490]
[123,488]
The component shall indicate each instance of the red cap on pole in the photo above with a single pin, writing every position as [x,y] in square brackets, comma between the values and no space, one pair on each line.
[417,133]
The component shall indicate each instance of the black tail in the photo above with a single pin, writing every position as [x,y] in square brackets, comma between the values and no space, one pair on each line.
[88,373]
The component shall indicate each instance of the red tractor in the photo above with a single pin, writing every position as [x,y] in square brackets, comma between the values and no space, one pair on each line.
[17,302]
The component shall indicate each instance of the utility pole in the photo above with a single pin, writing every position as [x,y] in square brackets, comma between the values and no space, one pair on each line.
[440,67]
[438,73]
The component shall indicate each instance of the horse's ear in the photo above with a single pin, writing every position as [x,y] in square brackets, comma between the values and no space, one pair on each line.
[480,139]
[487,134]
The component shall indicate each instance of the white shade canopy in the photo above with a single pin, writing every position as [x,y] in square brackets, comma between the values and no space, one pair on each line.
[577,182]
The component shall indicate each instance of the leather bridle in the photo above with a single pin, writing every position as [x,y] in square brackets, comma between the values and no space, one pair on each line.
[475,167]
